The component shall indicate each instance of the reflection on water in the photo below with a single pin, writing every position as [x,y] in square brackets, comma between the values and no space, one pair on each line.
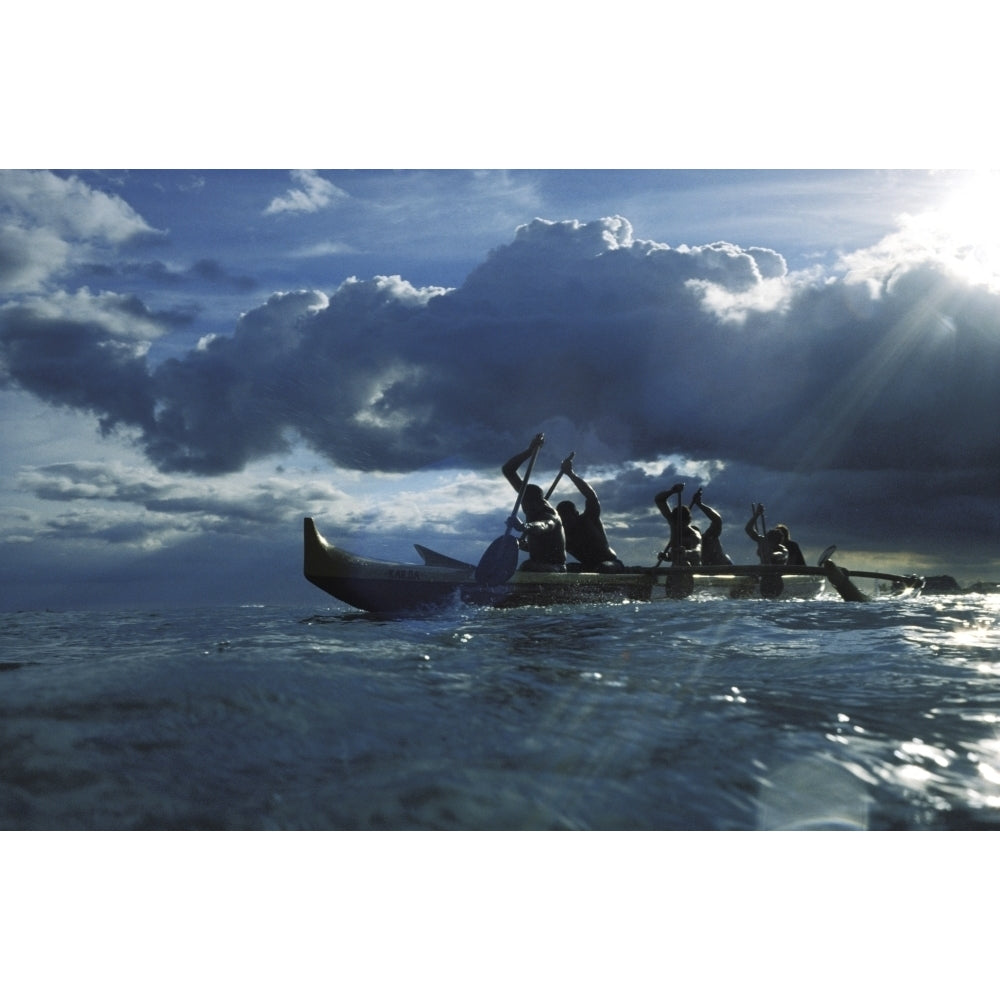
[813,794]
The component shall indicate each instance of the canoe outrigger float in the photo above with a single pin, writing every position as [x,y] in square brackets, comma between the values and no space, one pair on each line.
[387,587]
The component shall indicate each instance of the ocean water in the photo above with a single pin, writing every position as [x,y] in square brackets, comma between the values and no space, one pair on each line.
[694,715]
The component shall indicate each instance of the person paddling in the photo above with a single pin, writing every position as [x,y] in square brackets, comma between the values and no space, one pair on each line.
[770,545]
[586,539]
[684,548]
[795,556]
[712,552]
[542,531]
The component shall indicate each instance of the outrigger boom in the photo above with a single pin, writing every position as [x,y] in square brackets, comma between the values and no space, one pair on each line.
[382,586]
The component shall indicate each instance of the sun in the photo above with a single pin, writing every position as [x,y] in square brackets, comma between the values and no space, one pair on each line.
[972,208]
[964,230]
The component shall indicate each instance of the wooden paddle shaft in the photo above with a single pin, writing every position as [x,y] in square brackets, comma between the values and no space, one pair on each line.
[527,476]
[555,482]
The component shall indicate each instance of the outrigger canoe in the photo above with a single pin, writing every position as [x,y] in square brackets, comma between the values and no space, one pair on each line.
[382,586]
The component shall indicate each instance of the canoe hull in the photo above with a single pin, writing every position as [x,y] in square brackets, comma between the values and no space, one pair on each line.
[381,586]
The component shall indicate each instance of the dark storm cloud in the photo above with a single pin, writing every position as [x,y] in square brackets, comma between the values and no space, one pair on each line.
[714,351]
[711,351]
[77,355]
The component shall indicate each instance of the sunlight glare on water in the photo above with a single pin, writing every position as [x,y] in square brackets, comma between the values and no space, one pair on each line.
[702,715]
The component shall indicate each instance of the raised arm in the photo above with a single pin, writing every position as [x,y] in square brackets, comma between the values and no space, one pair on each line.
[751,526]
[713,515]
[586,490]
[512,464]
[661,500]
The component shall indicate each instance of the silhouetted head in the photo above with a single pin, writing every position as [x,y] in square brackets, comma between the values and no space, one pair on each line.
[783,528]
[535,505]
[566,510]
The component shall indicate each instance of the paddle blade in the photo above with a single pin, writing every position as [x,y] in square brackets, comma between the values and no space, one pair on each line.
[838,577]
[680,585]
[499,562]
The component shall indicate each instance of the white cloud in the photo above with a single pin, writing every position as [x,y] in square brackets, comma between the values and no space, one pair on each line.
[28,257]
[68,207]
[765,296]
[312,194]
[49,222]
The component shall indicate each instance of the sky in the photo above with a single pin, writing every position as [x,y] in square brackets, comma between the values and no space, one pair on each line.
[191,361]
[689,247]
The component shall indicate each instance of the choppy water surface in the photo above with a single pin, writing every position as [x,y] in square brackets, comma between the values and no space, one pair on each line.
[695,715]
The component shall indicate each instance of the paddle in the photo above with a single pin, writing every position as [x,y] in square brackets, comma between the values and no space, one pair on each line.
[827,552]
[770,586]
[672,519]
[680,585]
[757,512]
[555,482]
[500,559]
[839,578]
[678,538]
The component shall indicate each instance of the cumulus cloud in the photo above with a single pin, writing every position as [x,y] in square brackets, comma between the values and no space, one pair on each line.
[717,353]
[711,351]
[312,194]
[47,221]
